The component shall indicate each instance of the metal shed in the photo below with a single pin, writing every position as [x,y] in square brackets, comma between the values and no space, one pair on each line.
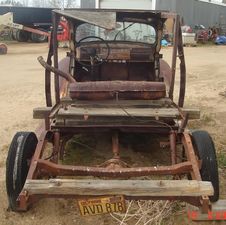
[192,11]
[127,4]
[196,12]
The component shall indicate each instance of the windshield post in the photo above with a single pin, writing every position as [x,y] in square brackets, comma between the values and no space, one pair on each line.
[174,55]
[56,20]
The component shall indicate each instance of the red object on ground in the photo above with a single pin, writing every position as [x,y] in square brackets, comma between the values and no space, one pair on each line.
[3,49]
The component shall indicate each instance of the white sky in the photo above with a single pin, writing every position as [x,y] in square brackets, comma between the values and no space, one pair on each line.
[220,1]
[78,1]
[30,2]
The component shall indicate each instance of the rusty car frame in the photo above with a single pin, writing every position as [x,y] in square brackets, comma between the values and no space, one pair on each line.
[113,81]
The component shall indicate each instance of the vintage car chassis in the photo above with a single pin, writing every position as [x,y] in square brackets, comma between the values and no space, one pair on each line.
[42,181]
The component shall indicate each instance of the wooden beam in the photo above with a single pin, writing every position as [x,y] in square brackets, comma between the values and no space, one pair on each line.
[193,114]
[120,187]
[164,102]
[105,121]
[73,112]
[41,112]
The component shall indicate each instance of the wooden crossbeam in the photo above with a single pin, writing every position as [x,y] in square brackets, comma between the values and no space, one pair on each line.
[164,102]
[119,187]
[73,112]
[192,113]
[110,110]
[41,112]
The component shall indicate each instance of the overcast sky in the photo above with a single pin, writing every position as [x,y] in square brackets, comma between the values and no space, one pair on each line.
[77,2]
[43,2]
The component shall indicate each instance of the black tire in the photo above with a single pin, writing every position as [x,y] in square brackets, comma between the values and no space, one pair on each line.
[13,34]
[37,38]
[204,147]
[20,153]
[22,36]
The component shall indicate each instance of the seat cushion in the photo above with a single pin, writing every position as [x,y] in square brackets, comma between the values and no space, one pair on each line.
[127,90]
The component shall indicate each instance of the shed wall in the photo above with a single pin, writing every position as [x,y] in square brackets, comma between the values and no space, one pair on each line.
[195,12]
[88,4]
[126,4]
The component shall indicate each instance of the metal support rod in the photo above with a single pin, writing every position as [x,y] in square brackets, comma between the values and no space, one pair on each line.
[23,201]
[36,31]
[47,123]
[115,145]
[182,69]
[174,56]
[57,72]
[190,154]
[173,147]
[62,149]
[55,53]
[48,73]
[183,123]
[32,173]
[47,168]
[195,174]
[56,146]
[63,143]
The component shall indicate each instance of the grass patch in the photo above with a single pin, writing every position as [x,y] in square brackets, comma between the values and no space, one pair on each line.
[206,44]
[221,159]
[208,119]
[81,150]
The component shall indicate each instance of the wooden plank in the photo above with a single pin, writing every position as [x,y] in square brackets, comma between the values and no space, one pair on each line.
[119,112]
[164,102]
[119,187]
[41,112]
[106,121]
[193,113]
[218,212]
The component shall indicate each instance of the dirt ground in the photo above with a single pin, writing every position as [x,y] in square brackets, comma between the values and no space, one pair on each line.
[22,89]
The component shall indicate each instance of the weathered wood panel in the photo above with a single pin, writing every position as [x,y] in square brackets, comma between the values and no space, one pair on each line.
[121,187]
[125,103]
[119,112]
[192,113]
[41,112]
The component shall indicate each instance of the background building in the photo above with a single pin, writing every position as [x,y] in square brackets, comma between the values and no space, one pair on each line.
[206,12]
[196,12]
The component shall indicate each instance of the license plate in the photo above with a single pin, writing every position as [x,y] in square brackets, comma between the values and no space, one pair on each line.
[102,205]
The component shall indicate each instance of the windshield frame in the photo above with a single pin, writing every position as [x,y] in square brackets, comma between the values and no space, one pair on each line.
[152,25]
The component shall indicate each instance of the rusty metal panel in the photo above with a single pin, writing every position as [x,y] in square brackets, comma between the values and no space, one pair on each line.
[117,89]
[118,86]
[68,170]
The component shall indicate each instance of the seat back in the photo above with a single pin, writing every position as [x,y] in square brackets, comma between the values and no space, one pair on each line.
[127,90]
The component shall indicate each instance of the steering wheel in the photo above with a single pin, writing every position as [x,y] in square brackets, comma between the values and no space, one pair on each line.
[95,59]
